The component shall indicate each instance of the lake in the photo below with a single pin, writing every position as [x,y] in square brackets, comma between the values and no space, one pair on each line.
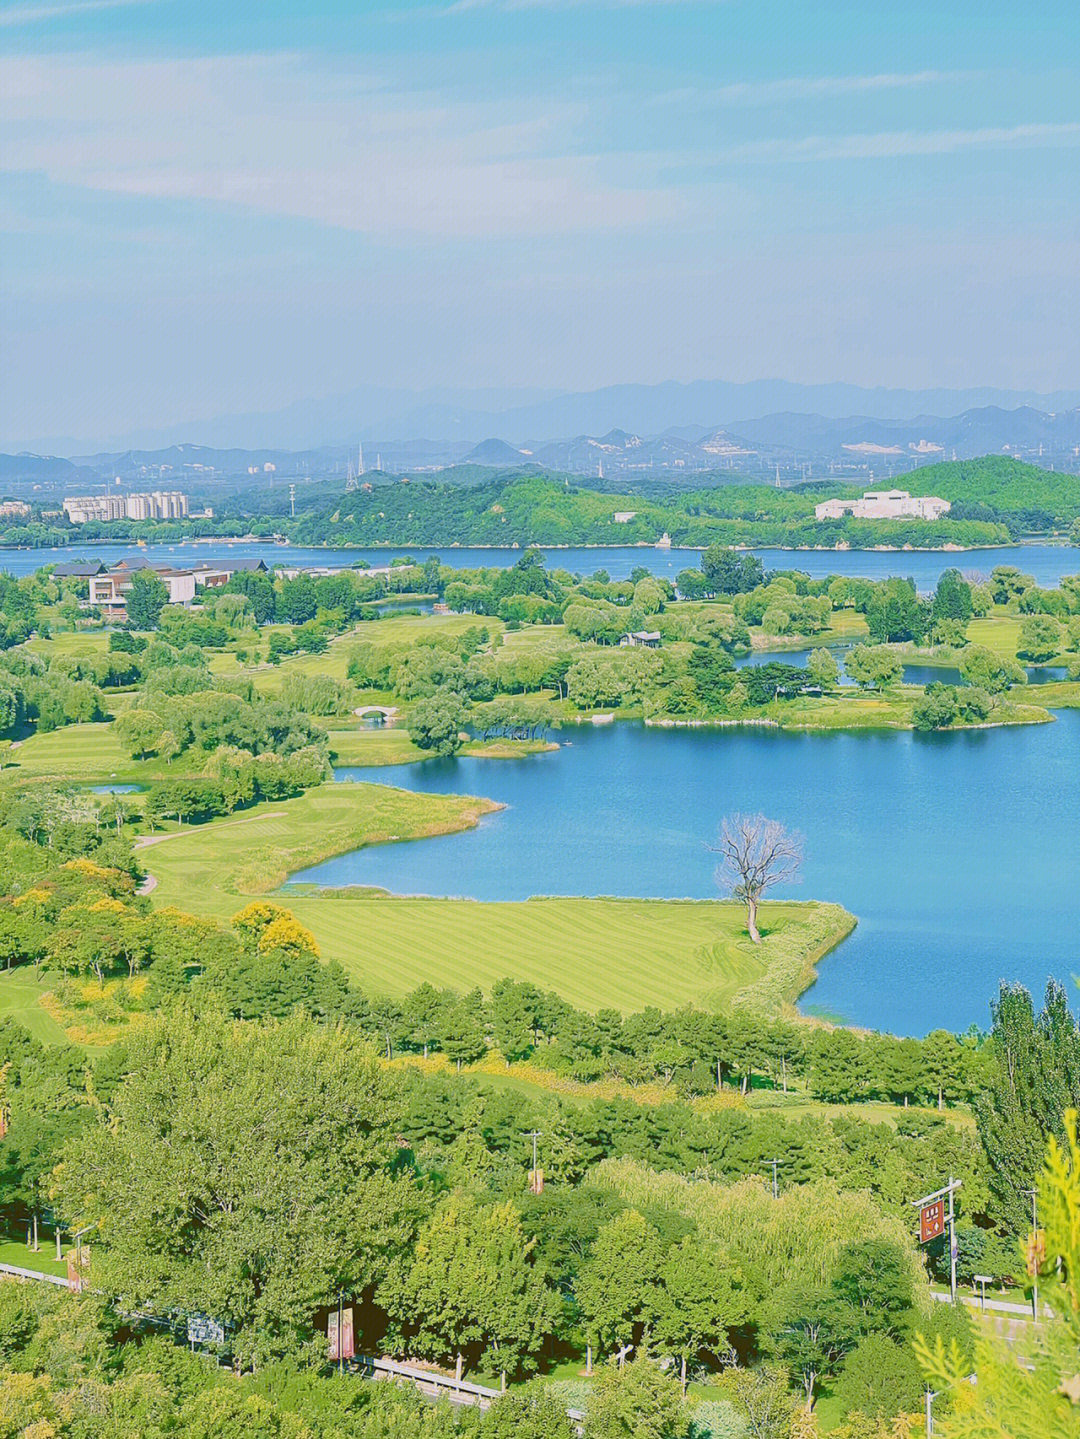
[1046,562]
[959,853]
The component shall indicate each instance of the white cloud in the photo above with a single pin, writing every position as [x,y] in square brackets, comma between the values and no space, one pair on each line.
[810,87]
[892,144]
[37,14]
[463,7]
[289,136]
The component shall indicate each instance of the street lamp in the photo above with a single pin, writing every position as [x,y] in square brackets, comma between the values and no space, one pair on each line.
[1033,1195]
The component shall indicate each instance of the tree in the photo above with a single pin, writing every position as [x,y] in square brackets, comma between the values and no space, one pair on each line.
[880,1379]
[729,572]
[1034,1079]
[614,1286]
[241,1170]
[952,598]
[532,1412]
[937,708]
[1040,639]
[696,1302]
[873,666]
[637,1401]
[763,1394]
[988,671]
[810,1330]
[472,1284]
[435,723]
[822,668]
[146,597]
[756,854]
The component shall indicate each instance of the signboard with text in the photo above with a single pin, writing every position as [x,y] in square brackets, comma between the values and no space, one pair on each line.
[931,1221]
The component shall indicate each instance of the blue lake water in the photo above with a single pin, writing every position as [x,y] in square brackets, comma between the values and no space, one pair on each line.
[1046,562]
[959,853]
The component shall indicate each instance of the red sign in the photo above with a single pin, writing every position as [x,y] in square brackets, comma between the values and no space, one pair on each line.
[346,1349]
[931,1221]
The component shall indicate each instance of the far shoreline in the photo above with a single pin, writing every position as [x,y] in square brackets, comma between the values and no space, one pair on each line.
[392,546]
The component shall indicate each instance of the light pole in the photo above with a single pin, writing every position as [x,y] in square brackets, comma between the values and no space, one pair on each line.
[534,1173]
[1033,1195]
[775,1181]
[930,1397]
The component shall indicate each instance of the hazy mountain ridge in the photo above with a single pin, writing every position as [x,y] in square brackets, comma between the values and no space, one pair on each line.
[378,413]
[792,444]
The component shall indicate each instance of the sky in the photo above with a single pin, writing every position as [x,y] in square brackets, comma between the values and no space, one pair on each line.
[211,209]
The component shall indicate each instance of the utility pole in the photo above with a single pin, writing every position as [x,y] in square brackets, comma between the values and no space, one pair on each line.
[340,1333]
[775,1181]
[1033,1195]
[536,1179]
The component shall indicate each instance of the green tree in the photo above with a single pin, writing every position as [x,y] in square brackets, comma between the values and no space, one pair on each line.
[822,668]
[436,723]
[880,1379]
[1034,1078]
[1040,639]
[614,1287]
[937,708]
[698,1299]
[873,666]
[471,1285]
[638,1401]
[241,1170]
[988,671]
[146,597]
[729,572]
[531,1412]
[810,1329]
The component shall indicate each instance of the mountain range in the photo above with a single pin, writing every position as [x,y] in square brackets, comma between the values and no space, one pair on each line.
[377,414]
[789,445]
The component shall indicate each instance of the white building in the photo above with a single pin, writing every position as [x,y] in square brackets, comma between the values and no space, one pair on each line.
[158,505]
[884,505]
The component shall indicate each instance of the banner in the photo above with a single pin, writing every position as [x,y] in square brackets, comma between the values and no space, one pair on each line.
[931,1221]
[346,1349]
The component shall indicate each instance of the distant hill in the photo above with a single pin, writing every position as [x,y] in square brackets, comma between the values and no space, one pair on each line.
[41,469]
[493,452]
[448,417]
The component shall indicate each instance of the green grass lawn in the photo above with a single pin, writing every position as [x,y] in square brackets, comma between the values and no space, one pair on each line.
[84,753]
[19,995]
[999,633]
[15,1251]
[373,747]
[214,868]
[594,952]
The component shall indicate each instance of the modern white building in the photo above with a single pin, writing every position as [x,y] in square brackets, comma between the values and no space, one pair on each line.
[157,505]
[884,505]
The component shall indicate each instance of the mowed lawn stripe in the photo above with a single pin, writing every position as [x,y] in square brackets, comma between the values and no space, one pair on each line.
[594,952]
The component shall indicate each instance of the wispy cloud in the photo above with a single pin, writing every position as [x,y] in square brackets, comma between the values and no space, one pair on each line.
[809,87]
[464,7]
[37,14]
[893,144]
[288,135]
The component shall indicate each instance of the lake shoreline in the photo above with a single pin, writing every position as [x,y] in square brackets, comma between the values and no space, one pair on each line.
[396,546]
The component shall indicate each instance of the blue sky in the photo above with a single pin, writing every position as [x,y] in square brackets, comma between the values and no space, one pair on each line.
[208,209]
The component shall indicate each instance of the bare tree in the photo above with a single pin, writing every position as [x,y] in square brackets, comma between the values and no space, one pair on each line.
[755,854]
